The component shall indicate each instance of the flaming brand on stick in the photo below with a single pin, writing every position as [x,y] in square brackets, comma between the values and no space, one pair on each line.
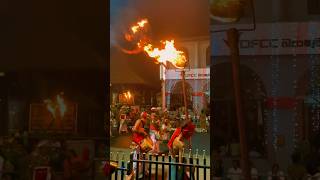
[168,53]
[161,55]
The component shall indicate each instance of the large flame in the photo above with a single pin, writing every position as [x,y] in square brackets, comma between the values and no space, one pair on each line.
[168,53]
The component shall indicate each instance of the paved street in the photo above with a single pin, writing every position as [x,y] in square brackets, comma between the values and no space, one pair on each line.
[122,143]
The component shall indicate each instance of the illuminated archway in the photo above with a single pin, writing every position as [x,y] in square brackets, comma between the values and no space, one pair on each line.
[176,98]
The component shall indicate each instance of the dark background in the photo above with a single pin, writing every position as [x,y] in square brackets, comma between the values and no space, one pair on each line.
[52,46]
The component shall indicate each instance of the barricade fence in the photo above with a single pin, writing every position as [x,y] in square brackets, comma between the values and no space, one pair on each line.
[167,167]
[161,166]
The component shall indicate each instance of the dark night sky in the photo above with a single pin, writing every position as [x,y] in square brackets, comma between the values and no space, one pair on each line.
[52,34]
[168,19]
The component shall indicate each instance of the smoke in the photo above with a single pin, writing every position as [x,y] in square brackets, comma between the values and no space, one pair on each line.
[122,15]
[168,18]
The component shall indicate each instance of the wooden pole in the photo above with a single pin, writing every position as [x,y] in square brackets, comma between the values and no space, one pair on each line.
[233,42]
[183,73]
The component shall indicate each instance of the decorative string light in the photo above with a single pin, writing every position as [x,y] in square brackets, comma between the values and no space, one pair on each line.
[274,94]
[274,91]
[295,120]
[314,93]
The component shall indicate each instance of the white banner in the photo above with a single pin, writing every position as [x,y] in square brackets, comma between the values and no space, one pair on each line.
[203,73]
[271,39]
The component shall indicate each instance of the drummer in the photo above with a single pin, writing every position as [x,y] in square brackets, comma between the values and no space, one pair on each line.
[139,133]
[184,132]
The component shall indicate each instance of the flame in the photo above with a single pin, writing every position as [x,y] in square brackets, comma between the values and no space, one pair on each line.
[162,55]
[168,53]
[138,35]
[127,95]
[140,25]
[54,106]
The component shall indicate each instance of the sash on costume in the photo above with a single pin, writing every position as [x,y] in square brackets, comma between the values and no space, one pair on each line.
[187,132]
[137,138]
[175,134]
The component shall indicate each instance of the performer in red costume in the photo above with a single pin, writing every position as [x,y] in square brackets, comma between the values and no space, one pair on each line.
[139,135]
[182,133]
[139,132]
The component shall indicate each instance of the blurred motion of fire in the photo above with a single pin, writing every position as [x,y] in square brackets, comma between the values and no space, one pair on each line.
[167,53]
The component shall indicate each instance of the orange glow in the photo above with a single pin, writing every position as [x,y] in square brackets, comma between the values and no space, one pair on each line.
[127,95]
[168,53]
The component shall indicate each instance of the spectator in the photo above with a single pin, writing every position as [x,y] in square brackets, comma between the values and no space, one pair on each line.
[275,173]
[235,172]
[1,165]
[74,166]
[313,171]
[123,124]
[203,123]
[254,171]
[217,165]
[296,171]
[234,148]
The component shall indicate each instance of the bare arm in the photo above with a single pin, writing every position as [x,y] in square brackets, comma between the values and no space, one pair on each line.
[137,128]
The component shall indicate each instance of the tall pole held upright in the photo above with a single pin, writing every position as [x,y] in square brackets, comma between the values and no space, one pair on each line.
[163,86]
[233,43]
[183,74]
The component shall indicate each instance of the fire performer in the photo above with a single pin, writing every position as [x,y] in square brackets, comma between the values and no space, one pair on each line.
[184,132]
[176,144]
[141,138]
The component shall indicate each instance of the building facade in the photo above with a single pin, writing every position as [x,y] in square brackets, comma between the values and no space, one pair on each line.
[279,77]
[197,51]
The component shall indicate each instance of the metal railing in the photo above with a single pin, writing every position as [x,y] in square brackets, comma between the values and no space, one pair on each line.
[155,166]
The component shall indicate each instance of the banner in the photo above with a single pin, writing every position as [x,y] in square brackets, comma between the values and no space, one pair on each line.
[271,39]
[203,73]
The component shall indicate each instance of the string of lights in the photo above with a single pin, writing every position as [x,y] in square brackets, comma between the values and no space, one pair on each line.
[314,93]
[274,93]
[295,120]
